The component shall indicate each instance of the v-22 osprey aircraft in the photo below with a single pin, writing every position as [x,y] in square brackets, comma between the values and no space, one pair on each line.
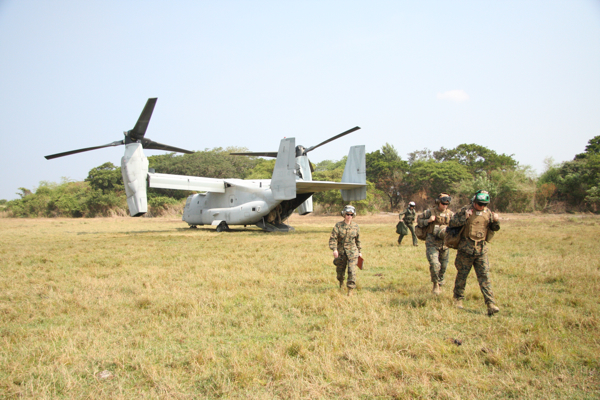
[266,203]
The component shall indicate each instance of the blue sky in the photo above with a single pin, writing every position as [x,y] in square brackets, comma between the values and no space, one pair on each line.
[519,77]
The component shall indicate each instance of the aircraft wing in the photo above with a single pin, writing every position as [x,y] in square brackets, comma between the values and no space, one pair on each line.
[322,186]
[182,182]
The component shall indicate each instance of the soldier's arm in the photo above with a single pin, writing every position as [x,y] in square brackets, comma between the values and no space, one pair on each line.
[423,218]
[401,214]
[458,219]
[357,240]
[494,225]
[333,238]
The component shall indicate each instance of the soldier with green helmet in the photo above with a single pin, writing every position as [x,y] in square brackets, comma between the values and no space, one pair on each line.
[345,243]
[479,225]
[408,216]
[435,221]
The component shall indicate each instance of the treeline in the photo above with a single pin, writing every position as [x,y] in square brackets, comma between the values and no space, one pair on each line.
[392,182]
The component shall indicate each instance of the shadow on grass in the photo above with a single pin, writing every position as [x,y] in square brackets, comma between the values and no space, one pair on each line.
[249,230]
[112,233]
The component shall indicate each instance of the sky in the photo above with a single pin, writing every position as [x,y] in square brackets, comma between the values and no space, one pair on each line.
[518,77]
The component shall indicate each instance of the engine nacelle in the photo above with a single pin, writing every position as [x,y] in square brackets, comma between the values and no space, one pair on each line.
[134,168]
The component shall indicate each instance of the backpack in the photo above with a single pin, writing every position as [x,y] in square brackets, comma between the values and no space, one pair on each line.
[401,228]
[421,232]
[452,237]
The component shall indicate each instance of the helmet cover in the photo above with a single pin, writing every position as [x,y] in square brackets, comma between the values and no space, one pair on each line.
[482,197]
[349,209]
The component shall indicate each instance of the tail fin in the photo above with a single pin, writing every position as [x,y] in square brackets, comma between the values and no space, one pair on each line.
[283,183]
[355,172]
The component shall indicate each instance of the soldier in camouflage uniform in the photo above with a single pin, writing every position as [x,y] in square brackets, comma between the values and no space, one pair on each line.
[408,216]
[479,225]
[435,221]
[345,243]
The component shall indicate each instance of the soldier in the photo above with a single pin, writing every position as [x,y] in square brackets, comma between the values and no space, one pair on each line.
[345,243]
[435,221]
[408,216]
[479,225]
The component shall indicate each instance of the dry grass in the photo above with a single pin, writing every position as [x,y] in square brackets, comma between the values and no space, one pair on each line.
[126,308]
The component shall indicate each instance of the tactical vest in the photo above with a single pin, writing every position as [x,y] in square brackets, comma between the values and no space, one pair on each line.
[476,227]
[441,218]
[409,216]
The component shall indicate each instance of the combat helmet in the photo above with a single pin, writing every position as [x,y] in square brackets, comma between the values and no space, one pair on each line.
[349,209]
[412,204]
[482,197]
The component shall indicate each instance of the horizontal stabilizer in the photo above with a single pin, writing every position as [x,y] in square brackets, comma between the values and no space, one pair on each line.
[182,182]
[323,186]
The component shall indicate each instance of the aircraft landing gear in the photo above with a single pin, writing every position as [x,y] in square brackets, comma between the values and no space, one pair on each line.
[193,227]
[222,227]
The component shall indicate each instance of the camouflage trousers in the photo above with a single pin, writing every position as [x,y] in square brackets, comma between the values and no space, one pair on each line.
[480,263]
[411,228]
[438,262]
[343,262]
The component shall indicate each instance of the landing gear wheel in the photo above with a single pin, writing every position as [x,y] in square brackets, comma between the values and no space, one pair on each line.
[222,227]
[193,227]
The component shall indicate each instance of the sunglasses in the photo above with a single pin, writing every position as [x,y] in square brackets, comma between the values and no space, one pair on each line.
[445,203]
[349,214]
[480,204]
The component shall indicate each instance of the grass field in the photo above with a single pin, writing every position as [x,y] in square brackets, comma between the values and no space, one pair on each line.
[124,308]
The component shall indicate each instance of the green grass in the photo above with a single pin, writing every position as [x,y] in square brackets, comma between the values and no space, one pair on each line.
[172,312]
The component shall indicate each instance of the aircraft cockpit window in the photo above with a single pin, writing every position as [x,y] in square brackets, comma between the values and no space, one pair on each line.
[253,208]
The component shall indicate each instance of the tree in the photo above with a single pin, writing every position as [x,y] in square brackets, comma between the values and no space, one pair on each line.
[420,155]
[262,170]
[24,192]
[106,178]
[592,148]
[328,165]
[388,172]
[436,177]
[477,158]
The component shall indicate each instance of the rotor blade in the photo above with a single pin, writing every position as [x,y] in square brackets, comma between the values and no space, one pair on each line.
[263,154]
[139,130]
[68,153]
[150,144]
[333,138]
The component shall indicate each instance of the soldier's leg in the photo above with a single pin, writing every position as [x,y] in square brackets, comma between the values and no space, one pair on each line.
[411,228]
[482,269]
[463,265]
[434,264]
[400,237]
[340,266]
[352,266]
[444,257]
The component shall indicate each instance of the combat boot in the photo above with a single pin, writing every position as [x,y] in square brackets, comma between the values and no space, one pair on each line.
[458,303]
[436,289]
[350,292]
[492,309]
